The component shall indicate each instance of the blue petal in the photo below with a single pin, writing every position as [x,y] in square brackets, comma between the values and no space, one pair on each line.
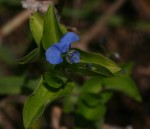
[53,55]
[66,40]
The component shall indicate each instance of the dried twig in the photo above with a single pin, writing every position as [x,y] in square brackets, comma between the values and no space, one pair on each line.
[18,20]
[14,23]
[4,122]
[98,29]
[143,71]
[114,127]
[55,116]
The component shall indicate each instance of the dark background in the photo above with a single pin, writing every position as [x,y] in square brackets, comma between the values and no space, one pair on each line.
[124,37]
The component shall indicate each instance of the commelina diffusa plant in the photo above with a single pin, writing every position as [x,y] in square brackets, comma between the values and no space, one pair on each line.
[53,45]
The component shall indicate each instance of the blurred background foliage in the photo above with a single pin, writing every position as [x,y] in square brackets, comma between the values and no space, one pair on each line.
[126,40]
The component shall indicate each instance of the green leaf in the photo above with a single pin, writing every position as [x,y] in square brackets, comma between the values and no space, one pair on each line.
[31,84]
[36,103]
[69,103]
[63,29]
[93,99]
[91,104]
[36,26]
[122,83]
[52,32]
[98,59]
[30,57]
[92,92]
[92,113]
[127,68]
[11,85]
[92,70]
[93,85]
[53,80]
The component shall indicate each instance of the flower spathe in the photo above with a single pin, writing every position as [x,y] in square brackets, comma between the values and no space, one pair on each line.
[53,53]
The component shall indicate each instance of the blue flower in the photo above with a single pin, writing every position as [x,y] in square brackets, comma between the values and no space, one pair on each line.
[53,53]
[73,56]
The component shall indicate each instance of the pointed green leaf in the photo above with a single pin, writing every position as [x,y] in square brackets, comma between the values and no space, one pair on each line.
[93,88]
[98,59]
[127,68]
[53,80]
[52,32]
[89,110]
[30,57]
[123,83]
[91,69]
[93,85]
[93,113]
[36,26]
[63,29]
[91,104]
[36,103]
[30,85]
